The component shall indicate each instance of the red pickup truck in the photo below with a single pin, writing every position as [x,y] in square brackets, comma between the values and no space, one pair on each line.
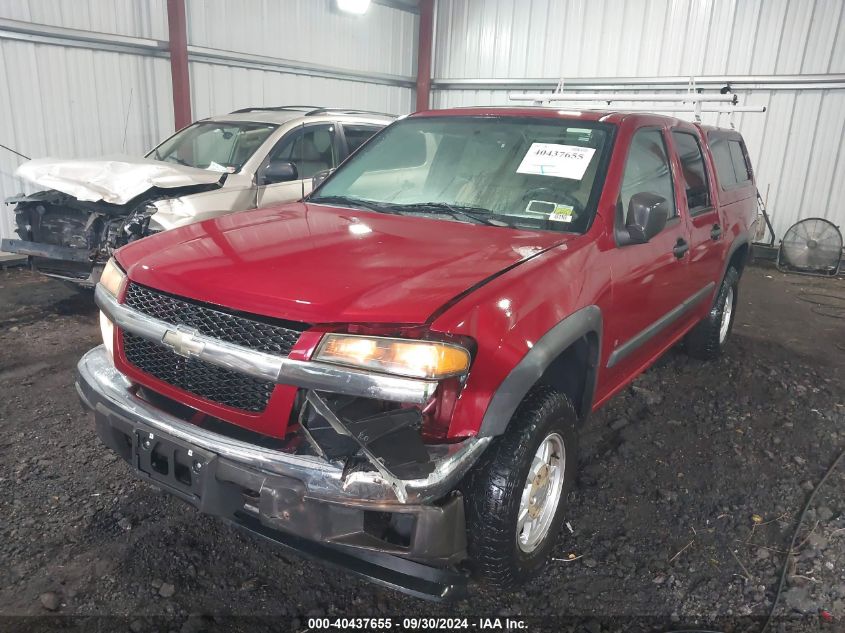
[391,374]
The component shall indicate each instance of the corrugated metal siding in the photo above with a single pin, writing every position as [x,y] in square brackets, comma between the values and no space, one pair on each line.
[74,103]
[137,18]
[796,147]
[379,41]
[217,89]
[637,38]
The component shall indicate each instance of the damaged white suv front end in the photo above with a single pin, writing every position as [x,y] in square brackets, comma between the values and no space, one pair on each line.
[244,160]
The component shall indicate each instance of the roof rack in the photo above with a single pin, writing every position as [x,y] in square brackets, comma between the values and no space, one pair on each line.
[317,111]
[274,108]
[308,110]
[726,102]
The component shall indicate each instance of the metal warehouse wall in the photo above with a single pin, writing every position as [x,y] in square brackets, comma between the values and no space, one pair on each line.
[72,100]
[268,34]
[87,78]
[485,48]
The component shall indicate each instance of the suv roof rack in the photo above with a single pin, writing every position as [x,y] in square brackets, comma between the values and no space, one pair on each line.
[274,108]
[308,110]
[317,111]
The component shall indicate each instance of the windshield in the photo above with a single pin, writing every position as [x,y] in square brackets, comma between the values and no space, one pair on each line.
[502,171]
[221,146]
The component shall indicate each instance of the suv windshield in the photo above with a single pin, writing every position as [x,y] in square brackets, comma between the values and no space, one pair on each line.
[502,171]
[215,146]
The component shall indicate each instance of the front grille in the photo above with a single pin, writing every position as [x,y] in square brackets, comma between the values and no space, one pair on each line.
[196,376]
[208,381]
[249,332]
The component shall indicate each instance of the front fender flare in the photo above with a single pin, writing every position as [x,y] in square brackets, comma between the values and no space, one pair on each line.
[530,369]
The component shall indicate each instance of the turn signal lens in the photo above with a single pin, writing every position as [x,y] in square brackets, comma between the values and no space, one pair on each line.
[107,330]
[113,278]
[403,357]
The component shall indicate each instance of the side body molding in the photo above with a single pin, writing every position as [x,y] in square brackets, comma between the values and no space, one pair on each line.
[532,366]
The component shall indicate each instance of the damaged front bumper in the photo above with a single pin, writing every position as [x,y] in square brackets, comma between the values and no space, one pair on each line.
[300,501]
[71,238]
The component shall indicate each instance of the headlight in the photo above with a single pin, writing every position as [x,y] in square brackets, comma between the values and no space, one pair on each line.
[403,357]
[107,330]
[113,279]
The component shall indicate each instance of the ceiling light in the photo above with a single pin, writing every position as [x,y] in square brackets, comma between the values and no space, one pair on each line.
[356,7]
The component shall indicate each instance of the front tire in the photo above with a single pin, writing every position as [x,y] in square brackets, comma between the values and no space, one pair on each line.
[707,339]
[515,497]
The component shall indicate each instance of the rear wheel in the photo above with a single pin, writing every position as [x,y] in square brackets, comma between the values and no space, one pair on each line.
[707,339]
[515,496]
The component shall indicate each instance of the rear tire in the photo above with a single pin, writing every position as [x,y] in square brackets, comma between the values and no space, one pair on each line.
[516,495]
[707,339]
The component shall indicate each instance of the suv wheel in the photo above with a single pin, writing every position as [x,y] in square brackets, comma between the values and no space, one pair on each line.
[515,496]
[707,339]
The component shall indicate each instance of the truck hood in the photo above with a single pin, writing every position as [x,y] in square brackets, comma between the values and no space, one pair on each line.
[319,264]
[116,179]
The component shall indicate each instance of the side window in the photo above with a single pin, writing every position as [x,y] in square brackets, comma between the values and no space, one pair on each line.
[647,170]
[741,168]
[357,135]
[723,162]
[694,172]
[732,167]
[312,150]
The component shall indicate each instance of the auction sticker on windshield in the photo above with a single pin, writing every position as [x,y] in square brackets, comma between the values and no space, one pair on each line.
[560,161]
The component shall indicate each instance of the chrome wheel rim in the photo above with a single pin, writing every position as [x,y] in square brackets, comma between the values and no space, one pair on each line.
[541,493]
[727,309]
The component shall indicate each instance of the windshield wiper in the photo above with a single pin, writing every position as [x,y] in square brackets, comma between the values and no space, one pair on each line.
[353,202]
[476,214]
[170,158]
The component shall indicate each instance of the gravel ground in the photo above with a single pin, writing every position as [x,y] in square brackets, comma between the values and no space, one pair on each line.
[691,484]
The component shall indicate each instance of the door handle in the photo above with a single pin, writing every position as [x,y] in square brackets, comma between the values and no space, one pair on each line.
[681,248]
[715,232]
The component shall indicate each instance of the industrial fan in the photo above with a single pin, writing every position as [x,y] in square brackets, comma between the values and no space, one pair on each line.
[812,246]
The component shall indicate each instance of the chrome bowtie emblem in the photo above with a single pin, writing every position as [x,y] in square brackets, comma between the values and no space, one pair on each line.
[183,343]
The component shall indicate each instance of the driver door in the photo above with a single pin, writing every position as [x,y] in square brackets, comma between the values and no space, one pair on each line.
[650,280]
[311,149]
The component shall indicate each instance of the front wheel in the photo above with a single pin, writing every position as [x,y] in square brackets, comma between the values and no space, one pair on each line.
[515,496]
[707,339]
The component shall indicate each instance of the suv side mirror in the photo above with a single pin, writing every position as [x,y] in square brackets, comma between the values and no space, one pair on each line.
[278,171]
[319,177]
[647,216]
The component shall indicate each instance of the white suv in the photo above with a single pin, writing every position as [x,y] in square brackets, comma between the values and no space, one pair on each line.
[250,158]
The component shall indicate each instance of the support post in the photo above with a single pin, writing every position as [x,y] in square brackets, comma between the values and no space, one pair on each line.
[424,42]
[178,45]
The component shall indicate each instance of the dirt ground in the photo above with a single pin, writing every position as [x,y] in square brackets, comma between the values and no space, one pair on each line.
[690,487]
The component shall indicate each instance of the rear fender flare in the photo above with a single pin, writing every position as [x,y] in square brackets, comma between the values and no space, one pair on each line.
[533,365]
[740,240]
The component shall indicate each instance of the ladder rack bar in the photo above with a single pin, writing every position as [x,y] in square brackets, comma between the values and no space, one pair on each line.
[692,97]
[681,108]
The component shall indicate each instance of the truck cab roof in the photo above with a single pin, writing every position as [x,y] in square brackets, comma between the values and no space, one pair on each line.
[612,116]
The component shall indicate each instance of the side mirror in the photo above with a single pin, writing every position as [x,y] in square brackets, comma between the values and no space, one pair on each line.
[647,216]
[319,177]
[278,171]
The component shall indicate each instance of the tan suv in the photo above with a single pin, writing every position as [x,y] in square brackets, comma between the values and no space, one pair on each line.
[250,158]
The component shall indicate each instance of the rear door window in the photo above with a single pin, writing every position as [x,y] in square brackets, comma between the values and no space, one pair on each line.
[357,135]
[696,186]
[722,161]
[732,168]
[741,169]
